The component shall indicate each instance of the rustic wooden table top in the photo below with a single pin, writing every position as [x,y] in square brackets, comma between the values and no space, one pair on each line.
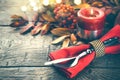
[22,56]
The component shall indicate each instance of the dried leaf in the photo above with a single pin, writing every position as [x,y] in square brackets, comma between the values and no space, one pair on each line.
[73,38]
[35,17]
[61,31]
[97,4]
[27,28]
[79,43]
[85,5]
[117,21]
[60,39]
[36,29]
[117,2]
[65,43]
[45,28]
[18,23]
[108,11]
[79,34]
[16,16]
[48,18]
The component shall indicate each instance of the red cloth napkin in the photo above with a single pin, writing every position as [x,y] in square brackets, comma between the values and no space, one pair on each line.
[85,61]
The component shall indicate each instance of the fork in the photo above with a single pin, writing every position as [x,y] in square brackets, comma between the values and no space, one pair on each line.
[109,42]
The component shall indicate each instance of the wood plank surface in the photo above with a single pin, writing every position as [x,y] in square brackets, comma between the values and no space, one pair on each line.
[22,57]
[47,73]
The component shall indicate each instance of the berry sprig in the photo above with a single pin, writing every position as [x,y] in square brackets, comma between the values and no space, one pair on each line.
[65,15]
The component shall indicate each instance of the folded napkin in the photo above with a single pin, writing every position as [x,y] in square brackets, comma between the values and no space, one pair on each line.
[86,60]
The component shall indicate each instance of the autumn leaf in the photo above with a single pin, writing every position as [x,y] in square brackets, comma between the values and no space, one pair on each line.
[79,43]
[45,28]
[65,43]
[85,5]
[48,18]
[16,16]
[117,21]
[59,39]
[36,29]
[27,28]
[97,4]
[60,31]
[73,38]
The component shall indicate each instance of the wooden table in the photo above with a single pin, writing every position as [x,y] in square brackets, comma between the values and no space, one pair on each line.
[22,56]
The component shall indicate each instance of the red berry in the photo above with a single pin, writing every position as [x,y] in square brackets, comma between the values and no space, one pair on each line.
[69,18]
[65,15]
[72,16]
[64,21]
[74,20]
[56,17]
[55,11]
[71,27]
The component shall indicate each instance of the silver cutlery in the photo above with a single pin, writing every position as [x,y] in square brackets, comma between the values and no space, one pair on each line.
[109,42]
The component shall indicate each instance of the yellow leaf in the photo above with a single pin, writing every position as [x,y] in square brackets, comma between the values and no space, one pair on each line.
[60,39]
[36,29]
[84,5]
[45,28]
[79,43]
[97,3]
[65,43]
[60,31]
[48,18]
[79,34]
[73,38]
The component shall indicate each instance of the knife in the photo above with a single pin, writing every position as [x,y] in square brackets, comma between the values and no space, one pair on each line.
[109,42]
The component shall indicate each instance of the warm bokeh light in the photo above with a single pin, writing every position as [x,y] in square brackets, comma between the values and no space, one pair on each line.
[35,8]
[45,2]
[77,2]
[24,8]
[58,1]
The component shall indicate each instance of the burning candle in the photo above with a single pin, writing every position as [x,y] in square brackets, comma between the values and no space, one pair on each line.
[92,22]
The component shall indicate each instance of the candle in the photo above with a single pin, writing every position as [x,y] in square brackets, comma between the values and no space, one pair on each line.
[91,22]
[77,2]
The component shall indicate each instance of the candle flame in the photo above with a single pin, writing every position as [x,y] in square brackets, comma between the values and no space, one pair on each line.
[58,1]
[77,2]
[46,2]
[91,11]
[24,8]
